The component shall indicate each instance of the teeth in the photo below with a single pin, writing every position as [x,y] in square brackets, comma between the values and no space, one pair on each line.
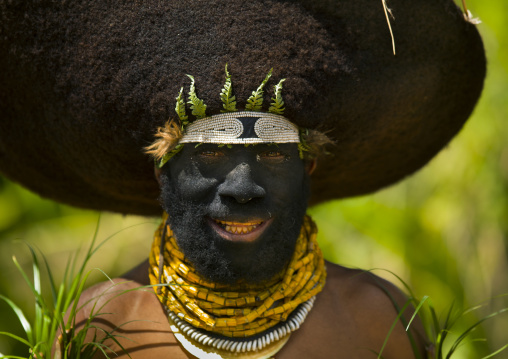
[238,227]
[239,223]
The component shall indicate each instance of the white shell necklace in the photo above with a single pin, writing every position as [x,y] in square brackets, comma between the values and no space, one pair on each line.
[203,344]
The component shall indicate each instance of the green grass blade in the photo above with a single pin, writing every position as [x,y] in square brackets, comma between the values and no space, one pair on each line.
[496,352]
[472,309]
[19,339]
[69,269]
[404,284]
[21,317]
[468,331]
[45,337]
[93,250]
[113,337]
[426,317]
[45,350]
[395,322]
[417,310]
[57,320]
[70,294]
[41,333]
[80,286]
[74,292]
[443,333]
[435,321]
[91,247]
[101,347]
[378,355]
[27,280]
[51,278]
[410,336]
[39,304]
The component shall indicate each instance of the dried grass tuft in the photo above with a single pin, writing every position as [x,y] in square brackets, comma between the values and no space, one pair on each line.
[389,11]
[167,138]
[317,141]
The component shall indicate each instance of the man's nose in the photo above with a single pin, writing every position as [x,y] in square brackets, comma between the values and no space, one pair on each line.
[240,185]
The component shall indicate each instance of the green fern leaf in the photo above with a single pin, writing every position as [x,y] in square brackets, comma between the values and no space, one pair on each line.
[180,109]
[198,107]
[255,101]
[170,155]
[226,95]
[303,146]
[277,106]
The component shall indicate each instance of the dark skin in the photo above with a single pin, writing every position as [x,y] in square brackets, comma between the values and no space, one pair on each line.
[351,317]
[207,186]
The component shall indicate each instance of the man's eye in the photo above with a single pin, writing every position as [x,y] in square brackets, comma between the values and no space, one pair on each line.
[273,155]
[211,153]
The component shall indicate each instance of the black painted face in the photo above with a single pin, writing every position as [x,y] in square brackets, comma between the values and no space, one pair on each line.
[236,212]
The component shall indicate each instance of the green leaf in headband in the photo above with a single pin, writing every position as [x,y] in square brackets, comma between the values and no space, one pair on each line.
[180,109]
[197,105]
[277,106]
[167,156]
[255,101]
[229,101]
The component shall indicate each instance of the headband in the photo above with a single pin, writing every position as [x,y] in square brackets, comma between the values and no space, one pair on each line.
[232,127]
[245,127]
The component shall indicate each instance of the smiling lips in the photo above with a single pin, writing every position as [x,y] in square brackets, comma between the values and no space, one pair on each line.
[238,227]
[240,231]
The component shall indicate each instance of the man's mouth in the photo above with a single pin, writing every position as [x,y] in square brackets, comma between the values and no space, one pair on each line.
[239,231]
[238,227]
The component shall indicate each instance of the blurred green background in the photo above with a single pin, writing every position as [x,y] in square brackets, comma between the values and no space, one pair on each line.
[444,230]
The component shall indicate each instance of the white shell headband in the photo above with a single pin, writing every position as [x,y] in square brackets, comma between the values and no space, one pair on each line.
[232,126]
[245,127]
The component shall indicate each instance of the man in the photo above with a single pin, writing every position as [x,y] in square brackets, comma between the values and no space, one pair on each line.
[236,205]
[88,83]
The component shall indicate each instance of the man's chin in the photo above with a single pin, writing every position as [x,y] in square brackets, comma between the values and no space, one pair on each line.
[265,244]
[239,231]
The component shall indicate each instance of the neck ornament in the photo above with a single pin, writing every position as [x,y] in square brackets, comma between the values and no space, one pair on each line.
[244,318]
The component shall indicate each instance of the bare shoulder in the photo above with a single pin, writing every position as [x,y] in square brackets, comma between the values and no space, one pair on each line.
[120,300]
[132,314]
[374,303]
[105,300]
[353,316]
[363,288]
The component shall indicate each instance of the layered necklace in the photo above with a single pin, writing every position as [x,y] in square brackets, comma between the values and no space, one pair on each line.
[222,321]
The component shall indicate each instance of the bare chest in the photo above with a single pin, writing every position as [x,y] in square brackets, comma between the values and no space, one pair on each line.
[320,336]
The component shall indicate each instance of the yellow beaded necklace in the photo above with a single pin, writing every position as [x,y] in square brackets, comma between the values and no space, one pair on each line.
[235,311]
